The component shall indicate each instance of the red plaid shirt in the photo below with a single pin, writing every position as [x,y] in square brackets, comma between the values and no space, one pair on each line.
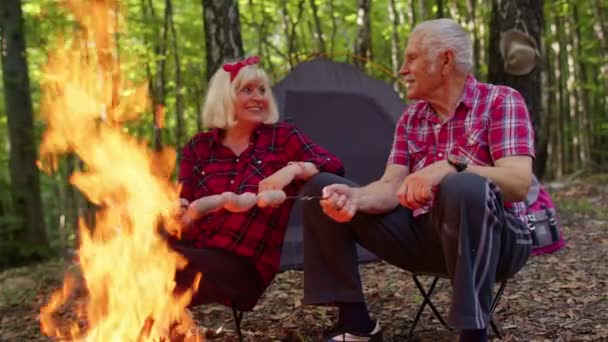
[490,122]
[207,167]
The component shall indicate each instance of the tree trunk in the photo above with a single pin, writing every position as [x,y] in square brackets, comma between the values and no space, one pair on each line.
[159,96]
[550,121]
[413,13]
[222,33]
[439,4]
[25,183]
[576,158]
[505,14]
[318,30]
[471,18]
[599,11]
[334,27]
[422,10]
[290,30]
[179,102]
[395,47]
[565,160]
[582,94]
[363,41]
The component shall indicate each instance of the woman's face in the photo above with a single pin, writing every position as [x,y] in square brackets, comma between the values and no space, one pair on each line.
[251,103]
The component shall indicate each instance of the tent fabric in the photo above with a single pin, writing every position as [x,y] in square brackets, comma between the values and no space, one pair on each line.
[347,112]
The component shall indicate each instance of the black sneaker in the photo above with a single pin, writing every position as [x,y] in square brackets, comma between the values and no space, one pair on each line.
[339,334]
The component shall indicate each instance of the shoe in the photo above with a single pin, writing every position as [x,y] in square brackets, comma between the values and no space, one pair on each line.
[340,334]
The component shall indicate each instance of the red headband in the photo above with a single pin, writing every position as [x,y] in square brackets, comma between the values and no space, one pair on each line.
[234,68]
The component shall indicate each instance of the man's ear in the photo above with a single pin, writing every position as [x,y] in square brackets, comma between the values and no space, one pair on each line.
[447,62]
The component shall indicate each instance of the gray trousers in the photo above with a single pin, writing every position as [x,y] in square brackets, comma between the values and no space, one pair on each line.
[467,236]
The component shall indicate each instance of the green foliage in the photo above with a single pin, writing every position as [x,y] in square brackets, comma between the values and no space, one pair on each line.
[269,28]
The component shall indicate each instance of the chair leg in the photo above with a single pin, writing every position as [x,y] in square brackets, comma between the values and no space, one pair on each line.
[427,301]
[497,297]
[238,316]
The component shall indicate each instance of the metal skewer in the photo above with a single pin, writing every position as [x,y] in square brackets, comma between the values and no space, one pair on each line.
[305,198]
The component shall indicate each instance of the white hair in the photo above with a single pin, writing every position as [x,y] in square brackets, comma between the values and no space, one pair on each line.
[439,35]
[218,110]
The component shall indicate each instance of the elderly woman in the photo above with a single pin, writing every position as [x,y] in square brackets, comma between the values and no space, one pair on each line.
[234,233]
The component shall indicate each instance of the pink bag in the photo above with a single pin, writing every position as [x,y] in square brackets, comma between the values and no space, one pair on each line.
[543,221]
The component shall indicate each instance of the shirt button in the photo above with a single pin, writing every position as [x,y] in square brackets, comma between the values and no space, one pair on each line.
[232,181]
[237,160]
[202,172]
[440,155]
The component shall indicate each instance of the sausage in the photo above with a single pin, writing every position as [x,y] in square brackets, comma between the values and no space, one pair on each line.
[205,205]
[272,198]
[201,207]
[239,203]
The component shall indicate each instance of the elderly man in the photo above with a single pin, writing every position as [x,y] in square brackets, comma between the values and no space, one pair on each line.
[450,200]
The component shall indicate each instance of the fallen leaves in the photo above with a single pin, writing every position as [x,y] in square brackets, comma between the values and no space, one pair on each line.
[559,297]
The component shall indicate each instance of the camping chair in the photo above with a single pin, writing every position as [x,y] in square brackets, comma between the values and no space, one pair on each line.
[426,294]
[238,311]
[238,317]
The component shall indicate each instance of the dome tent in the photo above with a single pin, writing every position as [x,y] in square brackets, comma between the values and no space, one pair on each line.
[350,114]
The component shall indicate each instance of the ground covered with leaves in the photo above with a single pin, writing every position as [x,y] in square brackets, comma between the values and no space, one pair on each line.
[558,297]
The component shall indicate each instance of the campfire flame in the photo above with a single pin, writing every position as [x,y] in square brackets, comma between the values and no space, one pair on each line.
[127,266]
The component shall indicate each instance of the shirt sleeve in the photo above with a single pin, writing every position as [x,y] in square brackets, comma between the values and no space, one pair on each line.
[187,165]
[510,130]
[399,154]
[300,148]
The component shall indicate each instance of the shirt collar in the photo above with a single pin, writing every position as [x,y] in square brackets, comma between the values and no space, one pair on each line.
[467,98]
[468,95]
[216,136]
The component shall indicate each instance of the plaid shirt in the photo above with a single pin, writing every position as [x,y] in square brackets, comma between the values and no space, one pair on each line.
[207,167]
[490,122]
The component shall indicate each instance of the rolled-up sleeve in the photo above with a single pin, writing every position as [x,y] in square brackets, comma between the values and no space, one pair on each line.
[299,147]
[510,131]
[399,154]
[187,163]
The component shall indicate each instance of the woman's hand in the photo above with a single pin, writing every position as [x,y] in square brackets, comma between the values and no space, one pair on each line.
[179,208]
[279,179]
[306,170]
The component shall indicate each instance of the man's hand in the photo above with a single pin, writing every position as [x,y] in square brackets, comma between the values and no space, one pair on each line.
[279,179]
[340,202]
[416,191]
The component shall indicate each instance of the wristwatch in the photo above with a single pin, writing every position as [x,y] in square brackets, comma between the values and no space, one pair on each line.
[458,162]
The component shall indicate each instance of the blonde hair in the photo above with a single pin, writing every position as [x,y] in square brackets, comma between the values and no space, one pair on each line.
[218,110]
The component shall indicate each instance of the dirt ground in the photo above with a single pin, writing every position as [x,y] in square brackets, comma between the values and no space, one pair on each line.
[558,297]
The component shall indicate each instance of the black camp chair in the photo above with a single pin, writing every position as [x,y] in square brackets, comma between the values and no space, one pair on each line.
[427,294]
[238,317]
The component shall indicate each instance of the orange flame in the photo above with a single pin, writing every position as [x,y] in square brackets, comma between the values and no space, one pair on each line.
[127,266]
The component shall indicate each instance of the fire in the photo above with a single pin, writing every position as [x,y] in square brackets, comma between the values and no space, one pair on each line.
[127,267]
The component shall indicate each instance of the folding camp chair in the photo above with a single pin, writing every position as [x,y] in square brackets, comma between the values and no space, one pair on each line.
[238,317]
[426,294]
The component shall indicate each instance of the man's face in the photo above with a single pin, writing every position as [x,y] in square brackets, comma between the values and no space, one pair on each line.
[421,74]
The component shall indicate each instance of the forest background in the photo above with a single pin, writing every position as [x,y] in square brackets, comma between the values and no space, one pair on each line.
[178,44]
